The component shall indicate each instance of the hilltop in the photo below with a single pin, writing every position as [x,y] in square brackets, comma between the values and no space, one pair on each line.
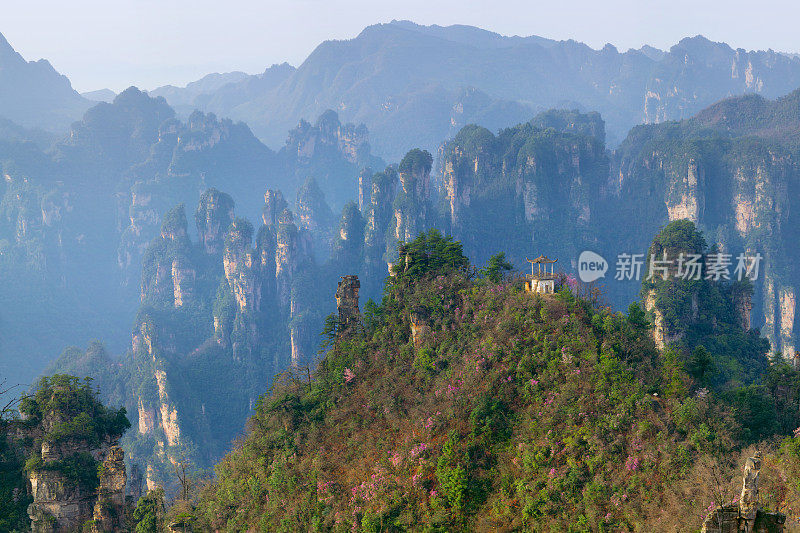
[464,403]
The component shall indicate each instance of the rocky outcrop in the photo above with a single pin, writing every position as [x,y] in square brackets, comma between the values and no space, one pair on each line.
[241,267]
[295,334]
[213,217]
[244,276]
[76,475]
[312,211]
[108,514]
[183,279]
[745,516]
[347,302]
[743,305]
[364,188]
[419,326]
[292,247]
[143,221]
[168,276]
[685,198]
[168,413]
[158,285]
[274,204]
[315,218]
[412,207]
[663,335]
[378,214]
[147,418]
[456,188]
[57,506]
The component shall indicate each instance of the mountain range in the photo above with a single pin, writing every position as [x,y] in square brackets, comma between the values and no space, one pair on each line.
[77,217]
[194,250]
[414,85]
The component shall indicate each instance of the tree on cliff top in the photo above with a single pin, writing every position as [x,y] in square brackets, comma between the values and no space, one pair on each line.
[429,254]
[416,161]
[72,410]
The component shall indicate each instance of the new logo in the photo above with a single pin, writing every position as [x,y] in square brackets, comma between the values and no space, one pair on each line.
[591,266]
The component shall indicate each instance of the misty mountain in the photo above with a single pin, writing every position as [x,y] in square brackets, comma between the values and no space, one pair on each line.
[76,218]
[415,85]
[34,95]
[13,132]
[100,95]
[184,97]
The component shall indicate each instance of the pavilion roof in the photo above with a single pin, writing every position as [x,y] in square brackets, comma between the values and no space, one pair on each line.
[542,259]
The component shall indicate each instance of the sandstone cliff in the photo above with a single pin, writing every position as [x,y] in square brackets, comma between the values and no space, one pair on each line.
[75,467]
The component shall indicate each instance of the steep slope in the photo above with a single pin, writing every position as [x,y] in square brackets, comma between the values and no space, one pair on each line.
[34,95]
[461,404]
[416,85]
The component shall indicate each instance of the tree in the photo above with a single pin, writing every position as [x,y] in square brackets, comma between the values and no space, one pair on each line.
[149,512]
[700,364]
[496,268]
[637,317]
[430,254]
[75,404]
[329,331]
[8,401]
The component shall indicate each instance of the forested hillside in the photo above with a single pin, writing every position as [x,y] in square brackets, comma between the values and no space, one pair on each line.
[463,402]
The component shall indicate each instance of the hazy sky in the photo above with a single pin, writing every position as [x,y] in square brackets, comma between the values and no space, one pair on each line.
[149,43]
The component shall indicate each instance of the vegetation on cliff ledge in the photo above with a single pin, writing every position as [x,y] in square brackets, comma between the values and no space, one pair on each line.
[62,424]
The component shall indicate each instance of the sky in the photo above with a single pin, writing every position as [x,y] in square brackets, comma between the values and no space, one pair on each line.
[148,43]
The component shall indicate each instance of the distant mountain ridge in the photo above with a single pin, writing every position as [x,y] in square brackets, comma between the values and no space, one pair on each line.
[414,85]
[34,95]
[184,96]
[100,95]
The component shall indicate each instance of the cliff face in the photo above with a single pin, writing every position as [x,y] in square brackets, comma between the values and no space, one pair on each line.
[213,216]
[331,151]
[315,217]
[413,211]
[531,186]
[378,214]
[61,504]
[225,305]
[111,492]
[732,178]
[75,467]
